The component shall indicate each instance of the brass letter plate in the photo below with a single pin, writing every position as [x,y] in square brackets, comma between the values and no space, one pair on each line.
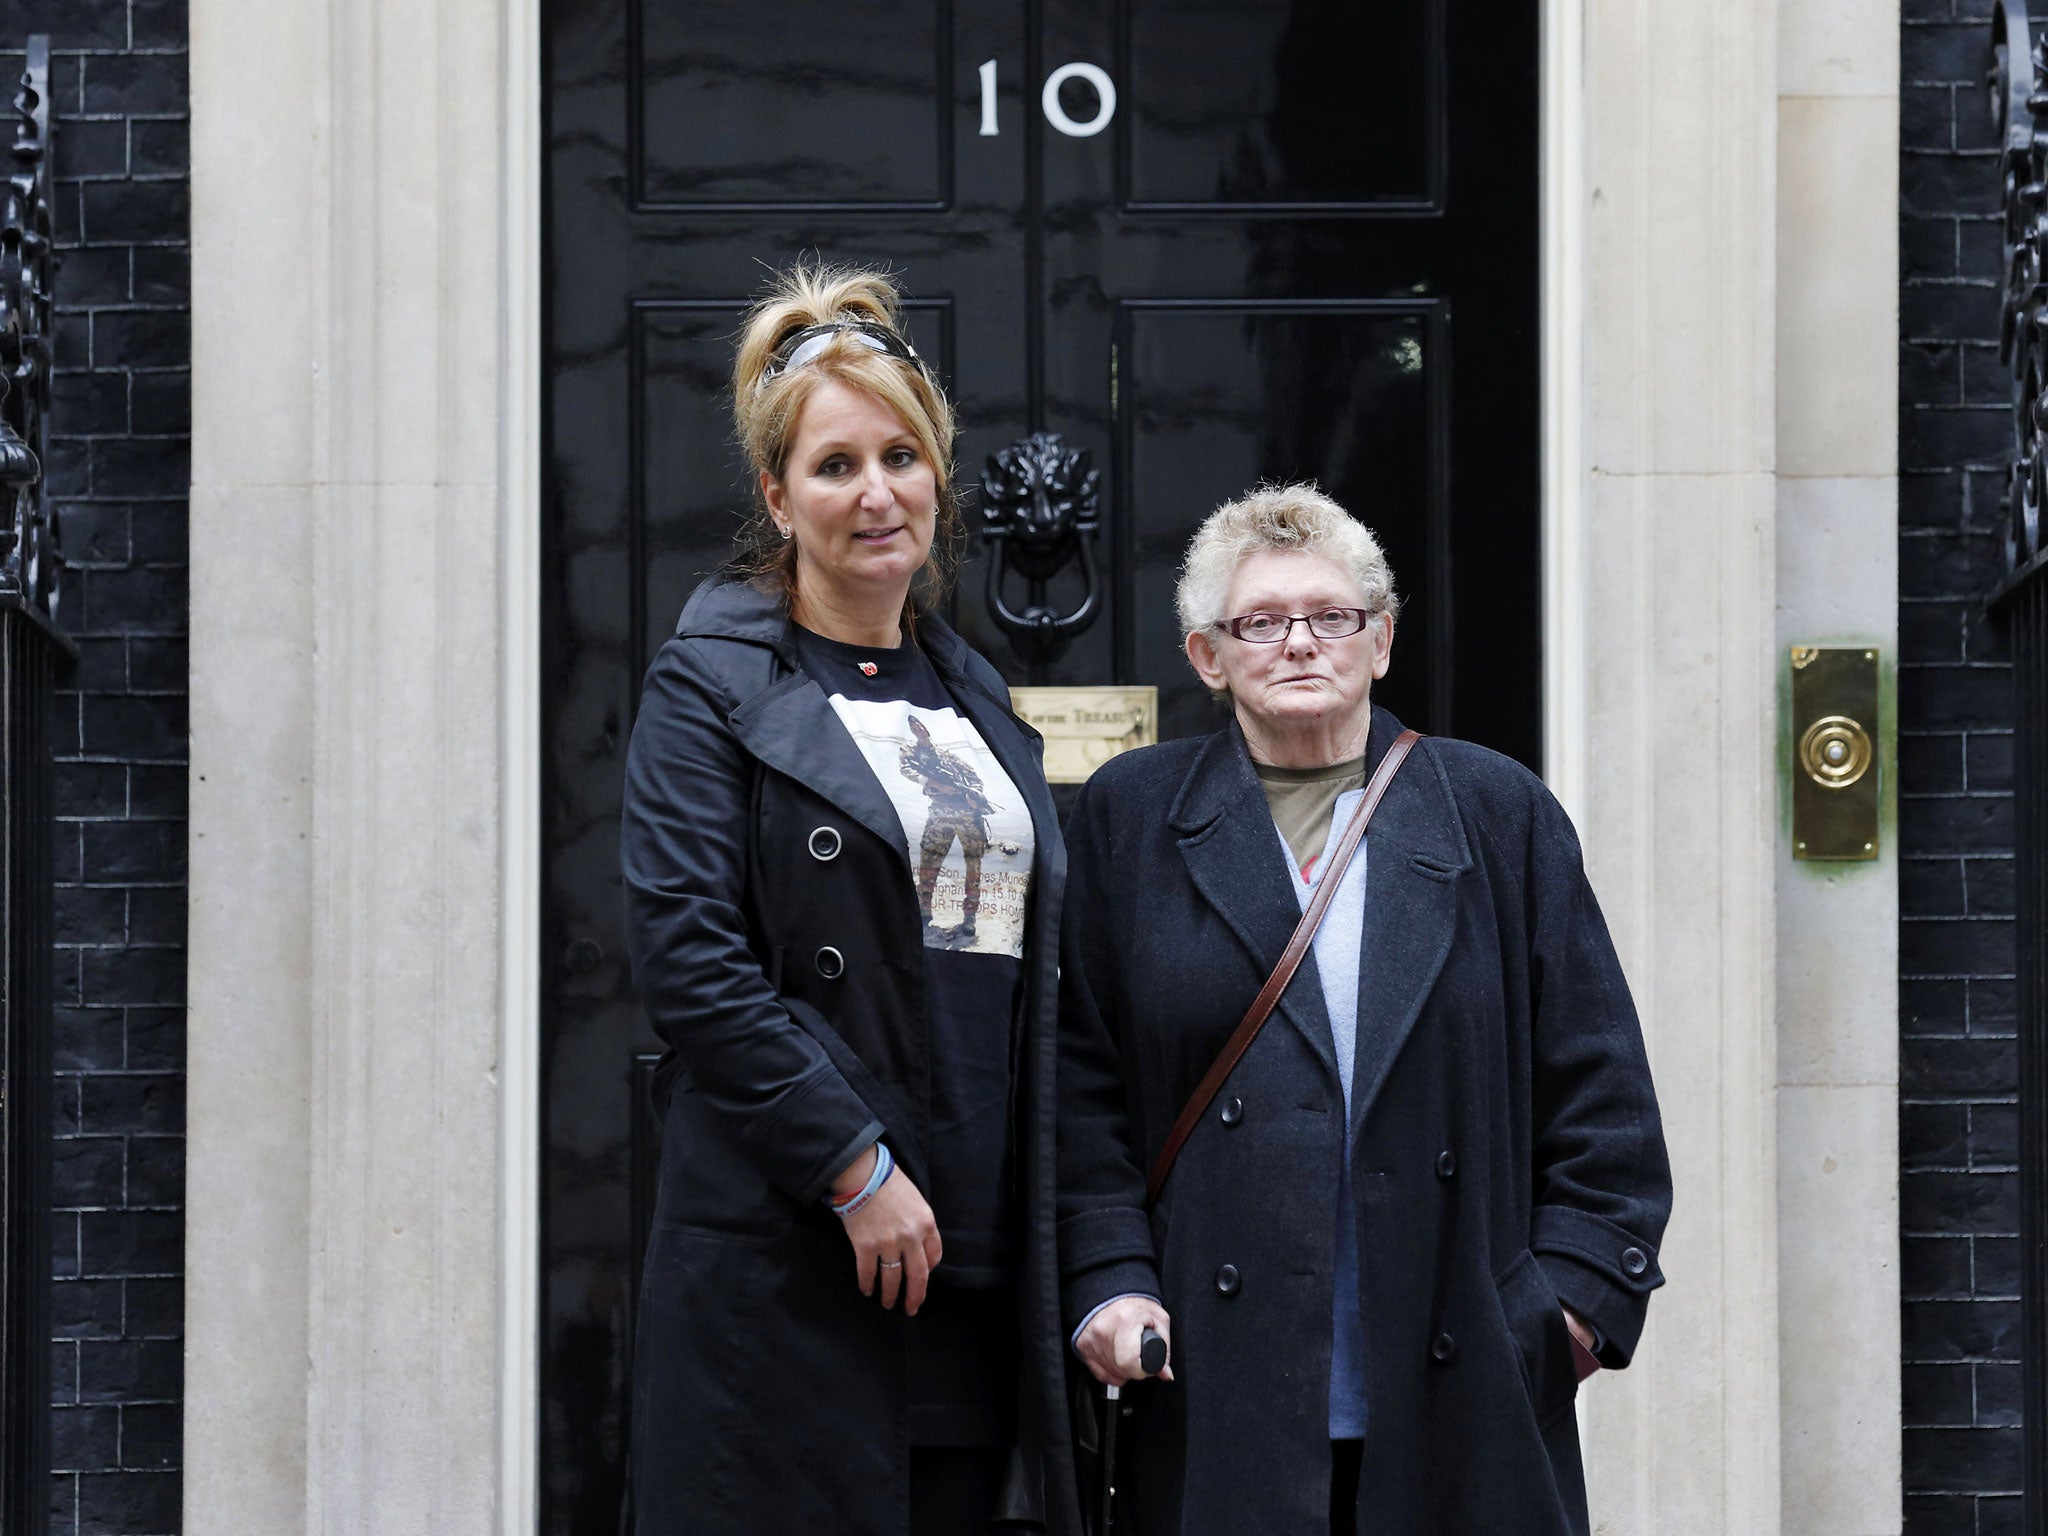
[1085,727]
[1834,752]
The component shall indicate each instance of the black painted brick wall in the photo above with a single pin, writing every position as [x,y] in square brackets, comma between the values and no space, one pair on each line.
[1958,1116]
[120,473]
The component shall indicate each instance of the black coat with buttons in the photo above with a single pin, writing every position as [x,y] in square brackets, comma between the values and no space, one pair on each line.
[778,949]
[1507,1154]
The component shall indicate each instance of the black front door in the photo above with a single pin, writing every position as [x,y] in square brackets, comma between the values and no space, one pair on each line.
[1211,244]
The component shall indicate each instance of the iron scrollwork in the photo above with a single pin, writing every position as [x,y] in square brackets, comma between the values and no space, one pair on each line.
[2019,64]
[29,565]
[31,648]
[2019,600]
[1039,515]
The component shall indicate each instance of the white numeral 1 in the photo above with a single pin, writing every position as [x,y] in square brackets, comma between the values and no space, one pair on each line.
[988,99]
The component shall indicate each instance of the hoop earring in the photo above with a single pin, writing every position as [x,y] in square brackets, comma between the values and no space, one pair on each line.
[787,533]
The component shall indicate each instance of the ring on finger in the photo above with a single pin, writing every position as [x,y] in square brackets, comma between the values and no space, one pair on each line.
[890,1263]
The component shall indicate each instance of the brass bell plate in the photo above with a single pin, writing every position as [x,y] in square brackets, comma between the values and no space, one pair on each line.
[1834,752]
[1085,727]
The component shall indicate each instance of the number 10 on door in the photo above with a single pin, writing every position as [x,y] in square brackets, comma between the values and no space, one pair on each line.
[1049,100]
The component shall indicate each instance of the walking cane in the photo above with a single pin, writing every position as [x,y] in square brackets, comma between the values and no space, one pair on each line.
[1151,1360]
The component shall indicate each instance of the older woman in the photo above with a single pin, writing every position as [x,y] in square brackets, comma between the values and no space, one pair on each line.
[1436,1175]
[843,880]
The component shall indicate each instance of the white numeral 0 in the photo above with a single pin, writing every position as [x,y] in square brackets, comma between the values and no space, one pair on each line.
[1049,100]
[1105,100]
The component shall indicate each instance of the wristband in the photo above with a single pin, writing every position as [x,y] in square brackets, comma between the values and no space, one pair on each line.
[884,1166]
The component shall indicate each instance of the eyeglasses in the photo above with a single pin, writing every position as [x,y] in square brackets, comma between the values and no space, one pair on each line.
[1271,628]
[809,344]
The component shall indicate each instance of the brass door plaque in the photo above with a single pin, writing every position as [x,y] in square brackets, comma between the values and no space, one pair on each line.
[1085,727]
[1834,752]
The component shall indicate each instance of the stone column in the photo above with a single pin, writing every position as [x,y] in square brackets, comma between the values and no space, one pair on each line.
[362,363]
[1666,541]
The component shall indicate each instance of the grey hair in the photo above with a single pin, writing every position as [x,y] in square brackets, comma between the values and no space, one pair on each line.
[1290,517]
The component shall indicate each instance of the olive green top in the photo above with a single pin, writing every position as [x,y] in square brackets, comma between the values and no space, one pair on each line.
[1302,799]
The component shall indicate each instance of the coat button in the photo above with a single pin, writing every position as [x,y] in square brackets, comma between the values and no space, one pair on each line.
[824,843]
[1233,1111]
[1634,1260]
[1444,1348]
[831,964]
[1227,1281]
[1446,1163]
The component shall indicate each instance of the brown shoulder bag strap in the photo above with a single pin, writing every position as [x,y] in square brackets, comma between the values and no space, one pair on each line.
[1262,1006]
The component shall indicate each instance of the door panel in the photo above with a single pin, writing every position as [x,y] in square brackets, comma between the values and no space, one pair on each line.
[747,106]
[1303,245]
[1346,116]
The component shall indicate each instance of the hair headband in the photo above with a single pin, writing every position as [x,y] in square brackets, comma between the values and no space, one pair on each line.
[809,344]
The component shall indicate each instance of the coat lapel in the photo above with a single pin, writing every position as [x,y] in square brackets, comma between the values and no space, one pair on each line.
[1237,863]
[791,726]
[1416,854]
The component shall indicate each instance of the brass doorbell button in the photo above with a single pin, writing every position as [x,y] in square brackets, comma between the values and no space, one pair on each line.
[1835,751]
[1834,754]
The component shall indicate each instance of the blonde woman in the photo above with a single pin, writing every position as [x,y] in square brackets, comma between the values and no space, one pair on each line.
[848,1319]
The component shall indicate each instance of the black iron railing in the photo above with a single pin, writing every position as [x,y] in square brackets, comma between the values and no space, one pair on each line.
[32,648]
[2019,600]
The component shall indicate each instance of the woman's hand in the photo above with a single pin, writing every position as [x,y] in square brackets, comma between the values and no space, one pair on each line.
[1108,1346]
[895,1236]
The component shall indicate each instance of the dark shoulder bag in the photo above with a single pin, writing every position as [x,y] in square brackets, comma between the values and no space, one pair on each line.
[1290,961]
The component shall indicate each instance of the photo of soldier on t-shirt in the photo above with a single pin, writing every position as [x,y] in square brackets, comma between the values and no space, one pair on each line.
[959,813]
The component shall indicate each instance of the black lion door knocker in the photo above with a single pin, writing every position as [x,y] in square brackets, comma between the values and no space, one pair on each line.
[1039,502]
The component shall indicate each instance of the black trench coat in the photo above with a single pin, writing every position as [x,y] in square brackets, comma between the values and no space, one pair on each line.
[1507,1153]
[778,948]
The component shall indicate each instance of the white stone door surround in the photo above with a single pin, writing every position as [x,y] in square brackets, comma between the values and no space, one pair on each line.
[361,1187]
[362,1082]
